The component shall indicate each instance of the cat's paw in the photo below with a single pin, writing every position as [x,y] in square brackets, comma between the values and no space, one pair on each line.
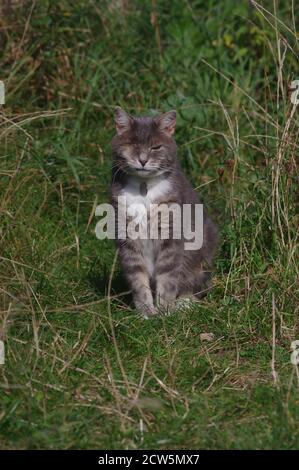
[166,308]
[148,312]
[165,302]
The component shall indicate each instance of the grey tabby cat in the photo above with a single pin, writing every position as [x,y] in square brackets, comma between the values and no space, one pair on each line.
[146,170]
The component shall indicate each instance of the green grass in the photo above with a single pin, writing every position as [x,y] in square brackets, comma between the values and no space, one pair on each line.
[83,371]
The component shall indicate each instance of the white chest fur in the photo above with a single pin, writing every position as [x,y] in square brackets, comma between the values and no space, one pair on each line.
[138,207]
[156,188]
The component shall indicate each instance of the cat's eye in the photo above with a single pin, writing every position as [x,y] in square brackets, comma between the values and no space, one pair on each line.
[156,147]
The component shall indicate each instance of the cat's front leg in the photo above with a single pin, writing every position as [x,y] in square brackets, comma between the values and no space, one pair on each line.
[137,277]
[167,274]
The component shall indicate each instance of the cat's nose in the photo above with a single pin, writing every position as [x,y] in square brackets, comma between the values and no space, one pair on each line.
[143,158]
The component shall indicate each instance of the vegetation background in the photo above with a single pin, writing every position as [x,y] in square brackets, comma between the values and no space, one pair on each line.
[82,370]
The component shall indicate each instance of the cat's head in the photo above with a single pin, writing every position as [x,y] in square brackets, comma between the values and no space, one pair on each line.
[144,146]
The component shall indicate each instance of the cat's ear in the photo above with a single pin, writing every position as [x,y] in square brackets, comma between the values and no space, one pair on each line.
[167,122]
[122,119]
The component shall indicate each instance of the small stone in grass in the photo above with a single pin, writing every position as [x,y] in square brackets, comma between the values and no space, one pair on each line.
[207,336]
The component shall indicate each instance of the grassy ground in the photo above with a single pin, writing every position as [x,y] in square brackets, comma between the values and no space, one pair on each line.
[82,369]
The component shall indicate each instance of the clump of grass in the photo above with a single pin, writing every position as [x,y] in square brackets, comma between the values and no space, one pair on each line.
[82,369]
